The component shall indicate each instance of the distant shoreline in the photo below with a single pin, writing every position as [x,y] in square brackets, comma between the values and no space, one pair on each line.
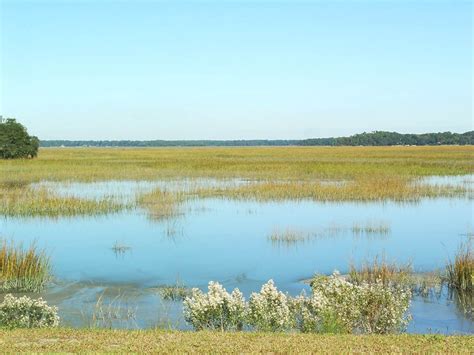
[377,138]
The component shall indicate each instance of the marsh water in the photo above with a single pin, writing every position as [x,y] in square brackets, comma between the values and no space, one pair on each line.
[228,241]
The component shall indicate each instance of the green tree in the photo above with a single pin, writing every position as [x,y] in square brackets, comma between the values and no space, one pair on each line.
[15,142]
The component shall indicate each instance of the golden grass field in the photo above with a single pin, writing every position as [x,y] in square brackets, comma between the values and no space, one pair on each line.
[274,163]
[272,173]
[158,341]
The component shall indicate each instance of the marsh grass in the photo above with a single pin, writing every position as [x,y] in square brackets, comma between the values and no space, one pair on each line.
[381,270]
[287,236]
[27,202]
[460,271]
[363,189]
[176,292]
[428,284]
[277,173]
[23,270]
[291,236]
[295,173]
[299,163]
[162,205]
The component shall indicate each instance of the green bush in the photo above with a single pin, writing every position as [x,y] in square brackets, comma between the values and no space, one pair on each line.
[15,141]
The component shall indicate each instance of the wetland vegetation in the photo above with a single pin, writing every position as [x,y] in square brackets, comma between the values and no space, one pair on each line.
[261,174]
[156,202]
[23,269]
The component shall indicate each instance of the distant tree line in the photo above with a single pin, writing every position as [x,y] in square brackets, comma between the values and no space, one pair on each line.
[381,138]
[15,142]
[377,138]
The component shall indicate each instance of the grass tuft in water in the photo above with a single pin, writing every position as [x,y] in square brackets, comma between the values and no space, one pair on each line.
[23,270]
[460,272]
[162,205]
[177,292]
[287,236]
[380,270]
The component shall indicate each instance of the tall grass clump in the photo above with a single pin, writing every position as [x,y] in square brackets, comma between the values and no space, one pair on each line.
[383,271]
[460,272]
[24,270]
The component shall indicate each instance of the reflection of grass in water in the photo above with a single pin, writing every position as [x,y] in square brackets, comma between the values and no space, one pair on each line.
[173,229]
[381,228]
[26,202]
[24,270]
[120,249]
[464,302]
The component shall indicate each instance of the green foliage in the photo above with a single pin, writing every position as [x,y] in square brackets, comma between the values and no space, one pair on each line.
[382,138]
[15,141]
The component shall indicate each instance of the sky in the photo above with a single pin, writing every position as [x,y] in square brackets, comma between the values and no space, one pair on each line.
[235,69]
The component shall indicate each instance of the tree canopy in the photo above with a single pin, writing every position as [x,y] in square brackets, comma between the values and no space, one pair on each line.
[15,142]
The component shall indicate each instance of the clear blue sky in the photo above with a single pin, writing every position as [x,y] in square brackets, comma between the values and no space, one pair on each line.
[235,69]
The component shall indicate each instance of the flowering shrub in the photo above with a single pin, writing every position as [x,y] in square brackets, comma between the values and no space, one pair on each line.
[270,309]
[312,315]
[335,306]
[215,310]
[365,308]
[25,312]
